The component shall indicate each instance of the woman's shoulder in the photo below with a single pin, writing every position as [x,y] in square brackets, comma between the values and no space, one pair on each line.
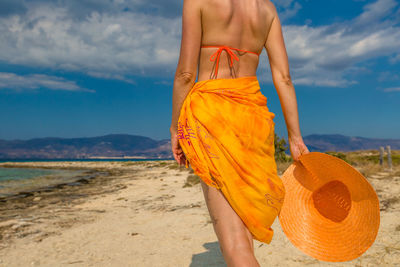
[265,6]
[271,6]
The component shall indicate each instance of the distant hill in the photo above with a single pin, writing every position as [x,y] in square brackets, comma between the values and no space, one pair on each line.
[338,142]
[113,145]
[124,145]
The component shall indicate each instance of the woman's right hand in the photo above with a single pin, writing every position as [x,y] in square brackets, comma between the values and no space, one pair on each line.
[297,147]
[177,151]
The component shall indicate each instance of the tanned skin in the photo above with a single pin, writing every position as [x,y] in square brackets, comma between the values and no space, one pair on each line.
[249,25]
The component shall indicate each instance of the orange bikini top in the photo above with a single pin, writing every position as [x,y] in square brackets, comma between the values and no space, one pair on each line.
[231,55]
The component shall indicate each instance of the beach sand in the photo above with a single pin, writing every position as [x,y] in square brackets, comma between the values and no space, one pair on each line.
[142,214]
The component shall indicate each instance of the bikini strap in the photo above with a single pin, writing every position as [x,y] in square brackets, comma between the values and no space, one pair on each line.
[232,48]
[232,56]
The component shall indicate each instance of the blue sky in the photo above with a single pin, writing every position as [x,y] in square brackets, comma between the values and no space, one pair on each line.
[75,68]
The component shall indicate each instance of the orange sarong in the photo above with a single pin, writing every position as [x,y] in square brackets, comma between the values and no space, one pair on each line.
[226,132]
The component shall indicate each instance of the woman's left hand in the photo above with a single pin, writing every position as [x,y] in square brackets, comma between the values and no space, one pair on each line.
[176,149]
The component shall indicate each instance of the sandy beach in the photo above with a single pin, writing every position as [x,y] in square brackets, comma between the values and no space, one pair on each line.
[151,213]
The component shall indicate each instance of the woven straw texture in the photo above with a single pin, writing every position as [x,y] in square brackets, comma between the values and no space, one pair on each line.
[330,211]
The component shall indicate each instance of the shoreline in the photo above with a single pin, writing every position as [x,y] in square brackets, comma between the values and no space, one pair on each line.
[151,213]
[75,181]
[82,178]
[20,210]
[89,159]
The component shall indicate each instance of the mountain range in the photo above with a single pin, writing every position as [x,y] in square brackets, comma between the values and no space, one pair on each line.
[126,146]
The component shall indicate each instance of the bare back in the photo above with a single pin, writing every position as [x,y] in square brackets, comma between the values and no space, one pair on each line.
[242,24]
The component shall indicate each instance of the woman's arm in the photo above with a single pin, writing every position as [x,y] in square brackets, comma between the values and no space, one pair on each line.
[186,70]
[279,64]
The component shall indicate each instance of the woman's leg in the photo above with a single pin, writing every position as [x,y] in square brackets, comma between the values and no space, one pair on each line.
[234,238]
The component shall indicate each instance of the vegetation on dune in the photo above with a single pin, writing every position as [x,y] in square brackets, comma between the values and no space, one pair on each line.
[280,148]
[192,180]
[365,161]
[339,155]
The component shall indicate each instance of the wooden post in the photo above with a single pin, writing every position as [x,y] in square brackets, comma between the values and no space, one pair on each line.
[381,151]
[389,155]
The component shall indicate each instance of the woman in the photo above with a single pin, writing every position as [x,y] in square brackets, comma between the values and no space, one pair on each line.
[225,125]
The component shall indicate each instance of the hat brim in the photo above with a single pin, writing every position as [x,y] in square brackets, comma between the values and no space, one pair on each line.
[335,233]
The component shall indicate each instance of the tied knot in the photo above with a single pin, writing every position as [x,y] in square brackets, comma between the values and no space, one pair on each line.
[217,55]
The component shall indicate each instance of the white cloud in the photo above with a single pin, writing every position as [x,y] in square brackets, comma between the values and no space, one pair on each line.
[392,89]
[127,43]
[386,76]
[35,81]
[111,76]
[395,59]
[326,55]
[287,8]
[115,40]
[375,11]
[377,43]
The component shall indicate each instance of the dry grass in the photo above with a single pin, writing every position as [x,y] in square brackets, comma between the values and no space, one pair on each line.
[282,166]
[192,180]
[372,156]
[174,166]
[130,163]
[366,161]
[369,168]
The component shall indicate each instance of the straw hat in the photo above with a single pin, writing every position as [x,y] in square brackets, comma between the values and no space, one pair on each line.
[330,210]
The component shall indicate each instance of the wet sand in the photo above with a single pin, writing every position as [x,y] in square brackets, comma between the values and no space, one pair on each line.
[150,214]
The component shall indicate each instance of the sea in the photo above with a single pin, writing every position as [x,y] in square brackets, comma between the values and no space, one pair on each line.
[16,180]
